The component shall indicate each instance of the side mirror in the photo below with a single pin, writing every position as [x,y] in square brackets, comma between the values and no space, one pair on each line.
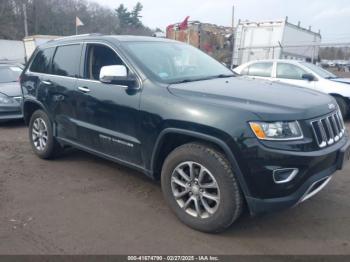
[308,77]
[117,75]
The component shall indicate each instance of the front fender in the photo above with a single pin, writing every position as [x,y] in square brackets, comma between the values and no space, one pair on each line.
[204,137]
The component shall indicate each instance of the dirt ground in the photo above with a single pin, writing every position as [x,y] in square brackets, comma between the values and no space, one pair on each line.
[339,73]
[81,204]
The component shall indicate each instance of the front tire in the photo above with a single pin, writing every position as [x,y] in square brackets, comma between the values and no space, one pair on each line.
[41,136]
[200,187]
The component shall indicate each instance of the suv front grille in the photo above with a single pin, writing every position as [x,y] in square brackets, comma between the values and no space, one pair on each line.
[329,129]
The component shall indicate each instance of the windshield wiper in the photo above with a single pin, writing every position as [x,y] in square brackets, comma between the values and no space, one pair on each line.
[220,76]
[223,76]
[188,80]
[204,78]
[331,77]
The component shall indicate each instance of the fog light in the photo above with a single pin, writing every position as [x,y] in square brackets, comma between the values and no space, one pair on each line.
[284,175]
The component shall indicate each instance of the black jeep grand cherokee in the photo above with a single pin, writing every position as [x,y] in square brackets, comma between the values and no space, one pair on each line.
[215,141]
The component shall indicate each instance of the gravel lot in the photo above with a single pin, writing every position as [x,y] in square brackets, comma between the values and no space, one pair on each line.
[81,204]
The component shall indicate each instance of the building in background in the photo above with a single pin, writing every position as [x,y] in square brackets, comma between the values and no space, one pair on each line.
[274,40]
[212,39]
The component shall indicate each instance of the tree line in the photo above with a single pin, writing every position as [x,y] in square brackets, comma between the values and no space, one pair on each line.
[52,17]
[335,53]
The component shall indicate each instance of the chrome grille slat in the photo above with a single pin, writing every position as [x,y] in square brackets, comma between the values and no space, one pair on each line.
[329,129]
[336,130]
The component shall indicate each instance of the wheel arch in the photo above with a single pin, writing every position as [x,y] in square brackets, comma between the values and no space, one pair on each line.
[341,96]
[346,100]
[180,137]
[29,107]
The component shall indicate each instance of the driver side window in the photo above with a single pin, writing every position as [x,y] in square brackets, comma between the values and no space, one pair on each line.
[289,71]
[98,56]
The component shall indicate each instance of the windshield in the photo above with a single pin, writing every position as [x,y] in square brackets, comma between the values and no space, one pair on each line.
[9,74]
[175,62]
[319,71]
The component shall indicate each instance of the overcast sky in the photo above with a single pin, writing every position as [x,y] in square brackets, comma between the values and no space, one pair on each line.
[332,17]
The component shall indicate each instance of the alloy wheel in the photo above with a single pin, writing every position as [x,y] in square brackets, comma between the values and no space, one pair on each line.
[195,189]
[39,134]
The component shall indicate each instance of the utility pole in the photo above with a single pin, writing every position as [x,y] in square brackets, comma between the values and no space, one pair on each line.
[233,32]
[233,17]
[25,19]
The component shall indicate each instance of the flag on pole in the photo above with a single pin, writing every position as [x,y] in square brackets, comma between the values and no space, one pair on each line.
[184,24]
[78,22]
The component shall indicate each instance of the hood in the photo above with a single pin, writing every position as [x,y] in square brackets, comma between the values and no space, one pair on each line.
[270,101]
[11,89]
[341,80]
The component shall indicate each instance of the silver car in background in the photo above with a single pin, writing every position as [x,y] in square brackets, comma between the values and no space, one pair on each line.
[302,74]
[10,92]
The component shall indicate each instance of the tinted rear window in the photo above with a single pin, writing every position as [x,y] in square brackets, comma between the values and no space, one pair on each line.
[66,61]
[41,62]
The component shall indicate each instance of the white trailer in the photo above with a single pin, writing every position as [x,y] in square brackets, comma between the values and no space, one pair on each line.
[32,42]
[274,40]
[12,51]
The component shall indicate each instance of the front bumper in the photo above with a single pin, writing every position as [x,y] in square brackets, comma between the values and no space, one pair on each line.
[10,112]
[316,170]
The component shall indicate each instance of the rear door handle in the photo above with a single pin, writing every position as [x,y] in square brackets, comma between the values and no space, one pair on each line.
[84,89]
[46,82]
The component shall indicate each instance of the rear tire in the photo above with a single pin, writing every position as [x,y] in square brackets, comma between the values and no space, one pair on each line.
[216,200]
[41,136]
[343,106]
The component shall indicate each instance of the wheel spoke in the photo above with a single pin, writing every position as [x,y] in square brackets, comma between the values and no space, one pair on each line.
[201,174]
[180,194]
[190,164]
[210,185]
[206,206]
[211,196]
[187,203]
[196,205]
[36,125]
[179,182]
[183,174]
[42,125]
[40,144]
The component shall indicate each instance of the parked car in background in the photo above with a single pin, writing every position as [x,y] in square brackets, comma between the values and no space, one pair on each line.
[10,92]
[217,142]
[302,74]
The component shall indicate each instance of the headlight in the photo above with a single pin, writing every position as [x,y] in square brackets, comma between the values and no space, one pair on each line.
[5,99]
[277,130]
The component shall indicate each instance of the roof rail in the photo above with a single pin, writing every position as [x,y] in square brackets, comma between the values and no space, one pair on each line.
[73,36]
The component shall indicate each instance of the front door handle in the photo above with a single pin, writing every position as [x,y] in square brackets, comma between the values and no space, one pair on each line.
[84,89]
[46,82]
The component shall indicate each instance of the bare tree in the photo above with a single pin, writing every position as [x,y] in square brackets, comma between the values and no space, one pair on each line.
[54,17]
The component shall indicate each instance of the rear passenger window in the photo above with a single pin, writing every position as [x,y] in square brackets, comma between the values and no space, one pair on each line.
[41,62]
[260,69]
[66,60]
